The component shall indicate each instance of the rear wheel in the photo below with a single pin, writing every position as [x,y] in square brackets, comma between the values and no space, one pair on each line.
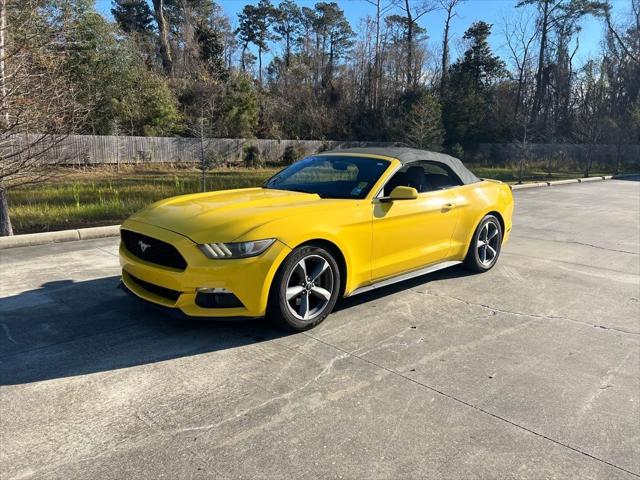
[305,289]
[485,245]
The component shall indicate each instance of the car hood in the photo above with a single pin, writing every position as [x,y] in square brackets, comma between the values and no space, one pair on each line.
[227,215]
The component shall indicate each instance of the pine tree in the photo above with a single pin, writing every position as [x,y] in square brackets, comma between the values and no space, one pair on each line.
[254,28]
[287,24]
[471,78]
[133,16]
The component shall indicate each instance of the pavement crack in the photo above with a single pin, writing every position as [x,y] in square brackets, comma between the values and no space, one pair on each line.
[574,242]
[565,262]
[107,251]
[391,437]
[284,396]
[605,383]
[472,406]
[494,310]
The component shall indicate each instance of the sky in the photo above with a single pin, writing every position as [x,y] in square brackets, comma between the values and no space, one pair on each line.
[490,11]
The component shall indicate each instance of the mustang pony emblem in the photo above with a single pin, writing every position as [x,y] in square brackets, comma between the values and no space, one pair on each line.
[143,246]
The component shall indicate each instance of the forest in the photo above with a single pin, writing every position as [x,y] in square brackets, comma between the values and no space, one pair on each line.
[183,68]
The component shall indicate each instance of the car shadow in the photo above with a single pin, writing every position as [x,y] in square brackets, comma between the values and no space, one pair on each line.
[65,329]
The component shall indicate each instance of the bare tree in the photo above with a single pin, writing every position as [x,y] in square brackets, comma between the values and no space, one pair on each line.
[449,7]
[163,35]
[520,35]
[424,124]
[546,9]
[413,11]
[5,221]
[205,130]
[38,107]
[3,84]
[561,17]
[589,126]
[632,49]
[381,9]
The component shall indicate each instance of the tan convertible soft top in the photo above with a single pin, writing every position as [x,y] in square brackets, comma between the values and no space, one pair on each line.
[409,155]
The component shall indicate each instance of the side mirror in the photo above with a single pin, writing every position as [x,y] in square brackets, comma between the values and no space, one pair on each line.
[403,193]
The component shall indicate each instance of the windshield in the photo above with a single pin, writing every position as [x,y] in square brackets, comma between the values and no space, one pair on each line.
[330,176]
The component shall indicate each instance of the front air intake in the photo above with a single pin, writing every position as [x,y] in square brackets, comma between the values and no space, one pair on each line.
[156,289]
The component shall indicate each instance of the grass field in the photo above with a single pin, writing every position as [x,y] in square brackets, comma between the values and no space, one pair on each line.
[102,196]
[97,197]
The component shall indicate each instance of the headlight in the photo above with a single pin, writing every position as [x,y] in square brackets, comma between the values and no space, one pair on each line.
[236,249]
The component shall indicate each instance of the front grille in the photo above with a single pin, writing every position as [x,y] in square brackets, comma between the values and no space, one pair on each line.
[152,250]
[156,289]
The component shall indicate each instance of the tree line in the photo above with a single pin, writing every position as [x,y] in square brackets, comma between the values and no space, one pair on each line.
[178,67]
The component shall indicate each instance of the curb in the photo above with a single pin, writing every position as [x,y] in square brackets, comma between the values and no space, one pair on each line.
[564,182]
[523,186]
[99,232]
[590,179]
[31,239]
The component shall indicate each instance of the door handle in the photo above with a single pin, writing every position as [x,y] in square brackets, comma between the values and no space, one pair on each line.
[449,206]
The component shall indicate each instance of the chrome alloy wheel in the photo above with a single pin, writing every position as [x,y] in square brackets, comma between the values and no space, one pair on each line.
[487,245]
[309,287]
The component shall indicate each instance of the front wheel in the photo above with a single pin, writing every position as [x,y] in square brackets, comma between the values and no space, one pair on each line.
[485,245]
[305,289]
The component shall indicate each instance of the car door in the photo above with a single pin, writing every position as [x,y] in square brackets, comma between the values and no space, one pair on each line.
[409,234]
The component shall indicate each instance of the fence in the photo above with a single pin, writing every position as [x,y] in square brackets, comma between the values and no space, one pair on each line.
[558,157]
[90,150]
[97,149]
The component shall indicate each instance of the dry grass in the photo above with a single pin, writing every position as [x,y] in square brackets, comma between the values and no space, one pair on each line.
[104,196]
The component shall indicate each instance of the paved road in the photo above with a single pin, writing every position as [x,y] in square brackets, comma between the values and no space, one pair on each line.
[529,371]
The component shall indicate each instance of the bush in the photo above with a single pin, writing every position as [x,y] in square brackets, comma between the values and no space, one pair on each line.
[291,154]
[252,157]
[211,160]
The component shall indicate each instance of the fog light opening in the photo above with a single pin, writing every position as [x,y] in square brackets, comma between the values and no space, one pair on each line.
[216,298]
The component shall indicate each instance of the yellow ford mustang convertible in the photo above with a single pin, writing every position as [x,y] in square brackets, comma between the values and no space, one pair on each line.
[329,226]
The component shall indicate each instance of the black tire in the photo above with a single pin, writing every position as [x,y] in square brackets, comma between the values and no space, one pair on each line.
[290,313]
[474,260]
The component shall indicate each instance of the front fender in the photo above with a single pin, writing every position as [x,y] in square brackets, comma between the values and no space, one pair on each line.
[348,229]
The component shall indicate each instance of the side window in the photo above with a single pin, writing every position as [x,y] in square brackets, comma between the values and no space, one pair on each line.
[424,177]
[439,176]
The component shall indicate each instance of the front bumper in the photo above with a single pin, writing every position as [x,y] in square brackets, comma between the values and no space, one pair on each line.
[249,279]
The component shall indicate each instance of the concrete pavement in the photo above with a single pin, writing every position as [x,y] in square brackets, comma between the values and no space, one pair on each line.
[529,371]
